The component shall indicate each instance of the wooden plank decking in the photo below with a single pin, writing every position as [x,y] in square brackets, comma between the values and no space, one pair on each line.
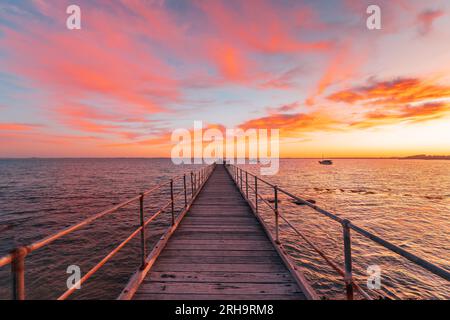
[219,251]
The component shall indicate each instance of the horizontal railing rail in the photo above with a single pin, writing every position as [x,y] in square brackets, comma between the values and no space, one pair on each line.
[241,179]
[191,184]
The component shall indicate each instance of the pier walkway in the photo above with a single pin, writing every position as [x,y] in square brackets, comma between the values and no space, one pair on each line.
[219,251]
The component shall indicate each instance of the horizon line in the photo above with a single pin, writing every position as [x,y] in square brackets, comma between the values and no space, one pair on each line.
[306,158]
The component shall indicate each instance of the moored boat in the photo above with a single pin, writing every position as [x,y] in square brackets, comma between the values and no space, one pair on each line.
[326,162]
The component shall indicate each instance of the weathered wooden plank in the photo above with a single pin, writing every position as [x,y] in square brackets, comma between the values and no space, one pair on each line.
[244,216]
[262,277]
[209,215]
[218,220]
[219,259]
[219,288]
[190,296]
[224,206]
[234,242]
[219,210]
[187,233]
[232,213]
[168,252]
[210,237]
[205,245]
[220,267]
[218,225]
[215,229]
[222,215]
[218,236]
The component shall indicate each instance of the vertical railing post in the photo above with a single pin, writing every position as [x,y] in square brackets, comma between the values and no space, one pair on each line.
[348,259]
[237,177]
[172,202]
[192,184]
[277,236]
[195,182]
[142,222]
[18,273]
[241,178]
[256,194]
[185,190]
[246,183]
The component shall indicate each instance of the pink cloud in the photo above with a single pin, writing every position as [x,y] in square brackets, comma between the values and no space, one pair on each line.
[426,18]
[17,127]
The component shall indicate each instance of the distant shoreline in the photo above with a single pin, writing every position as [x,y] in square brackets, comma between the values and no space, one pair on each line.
[425,157]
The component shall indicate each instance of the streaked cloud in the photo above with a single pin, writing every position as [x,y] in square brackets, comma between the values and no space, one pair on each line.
[139,69]
[17,127]
[398,91]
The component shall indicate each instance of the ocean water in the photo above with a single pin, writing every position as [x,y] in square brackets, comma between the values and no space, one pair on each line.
[405,201]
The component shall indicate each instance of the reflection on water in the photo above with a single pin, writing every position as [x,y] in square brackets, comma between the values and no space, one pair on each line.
[406,202]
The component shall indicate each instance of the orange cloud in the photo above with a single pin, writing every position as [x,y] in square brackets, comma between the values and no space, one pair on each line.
[425,112]
[399,91]
[291,125]
[381,103]
[343,64]
[390,102]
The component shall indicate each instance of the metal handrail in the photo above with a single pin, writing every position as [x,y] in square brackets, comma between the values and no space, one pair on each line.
[17,257]
[237,174]
[321,253]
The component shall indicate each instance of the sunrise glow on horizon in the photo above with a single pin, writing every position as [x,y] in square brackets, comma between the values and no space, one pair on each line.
[137,70]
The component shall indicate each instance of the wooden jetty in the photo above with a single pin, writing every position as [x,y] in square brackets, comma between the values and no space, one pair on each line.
[218,246]
[220,251]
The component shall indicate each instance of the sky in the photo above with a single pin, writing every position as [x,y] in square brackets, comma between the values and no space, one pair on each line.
[139,69]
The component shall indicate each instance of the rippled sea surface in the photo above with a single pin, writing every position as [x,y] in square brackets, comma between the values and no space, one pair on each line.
[406,202]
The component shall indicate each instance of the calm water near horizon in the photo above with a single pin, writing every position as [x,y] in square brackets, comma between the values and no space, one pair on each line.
[406,202]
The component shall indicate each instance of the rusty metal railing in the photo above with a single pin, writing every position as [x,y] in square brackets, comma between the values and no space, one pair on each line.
[241,179]
[17,257]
